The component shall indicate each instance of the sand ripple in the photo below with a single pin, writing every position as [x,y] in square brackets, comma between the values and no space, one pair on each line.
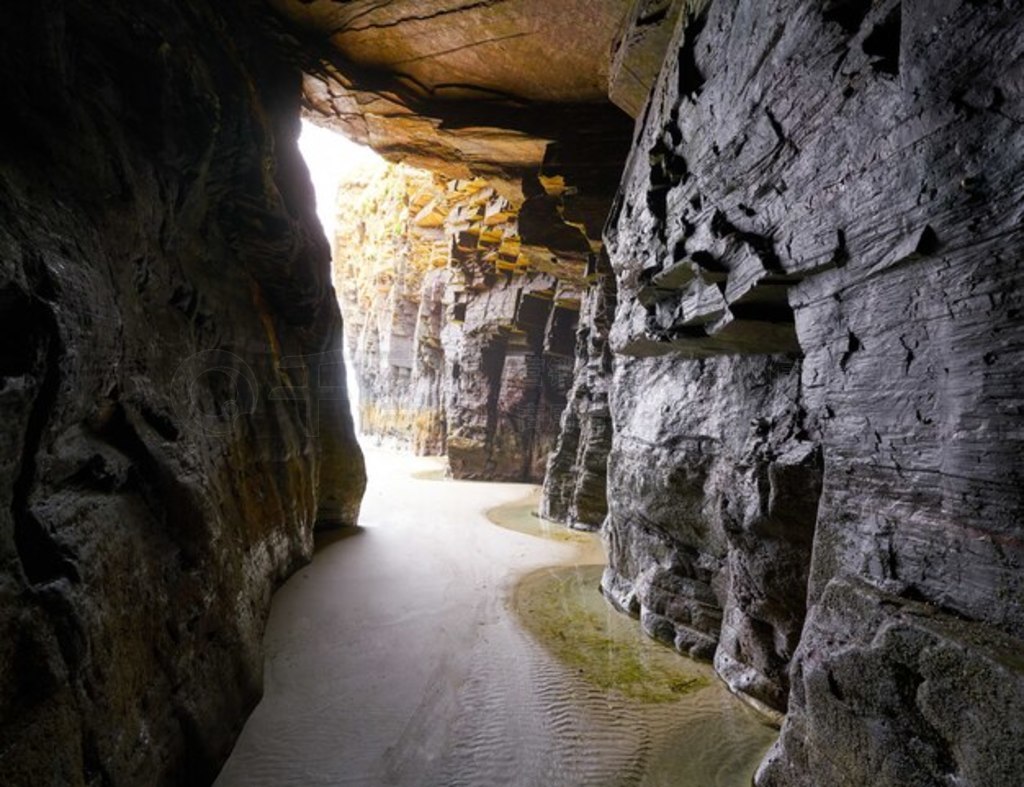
[397,658]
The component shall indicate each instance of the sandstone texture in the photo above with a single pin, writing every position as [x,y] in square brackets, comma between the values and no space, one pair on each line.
[769,338]
[815,475]
[461,87]
[172,404]
[388,273]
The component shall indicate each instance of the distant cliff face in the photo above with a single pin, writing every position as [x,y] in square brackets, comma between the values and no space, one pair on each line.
[388,273]
[512,101]
[172,407]
[815,477]
[462,335]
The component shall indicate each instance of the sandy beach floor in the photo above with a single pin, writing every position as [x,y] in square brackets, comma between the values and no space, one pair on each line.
[435,647]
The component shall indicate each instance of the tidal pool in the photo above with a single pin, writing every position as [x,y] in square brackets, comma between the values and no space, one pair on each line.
[521,516]
[694,731]
[563,608]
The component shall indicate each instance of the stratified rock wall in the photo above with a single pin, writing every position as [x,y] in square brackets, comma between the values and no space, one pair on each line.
[712,495]
[389,275]
[172,404]
[820,233]
[575,481]
[515,93]
[461,335]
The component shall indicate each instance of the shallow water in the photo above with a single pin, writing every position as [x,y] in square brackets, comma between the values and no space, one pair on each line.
[521,516]
[693,731]
[398,657]
[431,474]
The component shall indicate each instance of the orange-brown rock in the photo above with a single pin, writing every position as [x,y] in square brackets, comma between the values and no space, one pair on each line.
[458,86]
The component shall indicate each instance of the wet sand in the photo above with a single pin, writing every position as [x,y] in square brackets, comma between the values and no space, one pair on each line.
[431,647]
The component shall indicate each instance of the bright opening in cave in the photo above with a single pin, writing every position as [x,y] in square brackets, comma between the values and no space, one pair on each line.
[333,159]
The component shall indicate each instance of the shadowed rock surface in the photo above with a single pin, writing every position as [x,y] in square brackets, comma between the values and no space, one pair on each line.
[575,482]
[172,424]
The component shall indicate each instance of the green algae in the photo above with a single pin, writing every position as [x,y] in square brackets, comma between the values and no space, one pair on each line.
[521,516]
[563,609]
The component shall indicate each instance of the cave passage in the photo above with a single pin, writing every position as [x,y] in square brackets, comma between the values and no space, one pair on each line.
[444,684]
[486,653]
[333,160]
[736,283]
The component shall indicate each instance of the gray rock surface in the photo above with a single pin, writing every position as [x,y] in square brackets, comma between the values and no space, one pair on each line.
[838,182]
[172,424]
[575,481]
[903,694]
[711,510]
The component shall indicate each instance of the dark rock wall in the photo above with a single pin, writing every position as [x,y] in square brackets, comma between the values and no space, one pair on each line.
[504,385]
[712,495]
[390,275]
[828,195]
[575,481]
[169,438]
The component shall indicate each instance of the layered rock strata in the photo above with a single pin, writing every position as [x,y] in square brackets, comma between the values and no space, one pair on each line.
[575,480]
[172,401]
[517,93]
[460,87]
[808,394]
[389,273]
[819,315]
[462,335]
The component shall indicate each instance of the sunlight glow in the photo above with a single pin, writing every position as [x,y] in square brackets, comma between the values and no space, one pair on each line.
[331,158]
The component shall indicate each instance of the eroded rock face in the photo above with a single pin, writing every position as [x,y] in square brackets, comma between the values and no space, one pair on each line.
[515,93]
[462,334]
[712,509]
[830,187]
[390,275]
[171,396]
[904,694]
